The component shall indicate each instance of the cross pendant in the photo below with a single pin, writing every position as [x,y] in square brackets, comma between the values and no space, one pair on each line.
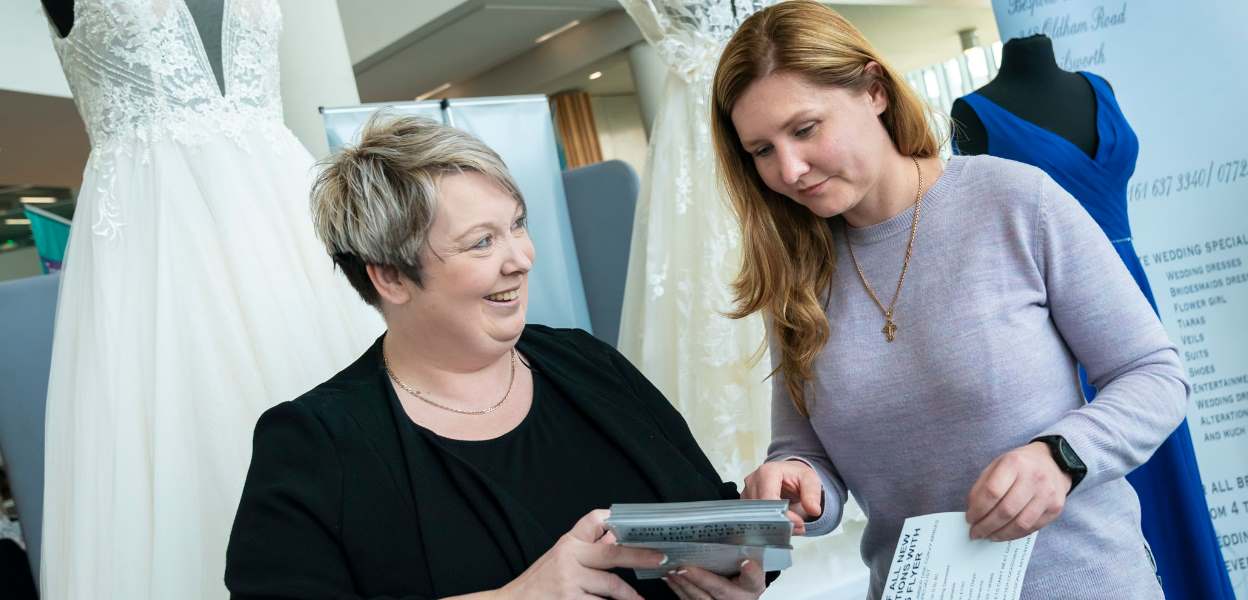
[890,329]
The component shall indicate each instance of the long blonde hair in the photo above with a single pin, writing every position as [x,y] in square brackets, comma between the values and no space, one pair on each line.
[789,253]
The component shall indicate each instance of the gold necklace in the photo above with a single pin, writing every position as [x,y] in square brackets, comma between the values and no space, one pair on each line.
[890,326]
[386,360]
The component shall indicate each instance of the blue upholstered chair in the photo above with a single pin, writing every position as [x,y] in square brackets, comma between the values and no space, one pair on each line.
[601,198]
[29,308]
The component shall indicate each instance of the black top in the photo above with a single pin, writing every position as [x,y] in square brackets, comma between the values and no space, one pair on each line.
[347,499]
[545,461]
[16,582]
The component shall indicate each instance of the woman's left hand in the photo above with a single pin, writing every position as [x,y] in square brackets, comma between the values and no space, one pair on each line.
[692,583]
[1020,492]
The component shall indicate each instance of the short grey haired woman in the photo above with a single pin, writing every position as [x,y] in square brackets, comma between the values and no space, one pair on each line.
[466,452]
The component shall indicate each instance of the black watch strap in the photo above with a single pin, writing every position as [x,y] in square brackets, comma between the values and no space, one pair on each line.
[1066,458]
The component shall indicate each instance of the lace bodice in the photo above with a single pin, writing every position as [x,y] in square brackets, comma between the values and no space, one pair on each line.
[690,34]
[138,68]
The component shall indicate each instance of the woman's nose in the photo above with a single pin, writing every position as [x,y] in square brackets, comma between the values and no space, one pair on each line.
[519,256]
[792,167]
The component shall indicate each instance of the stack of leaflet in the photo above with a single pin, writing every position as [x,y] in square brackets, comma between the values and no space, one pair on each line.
[715,535]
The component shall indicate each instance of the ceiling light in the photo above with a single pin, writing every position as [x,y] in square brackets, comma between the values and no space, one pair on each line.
[595,75]
[38,200]
[551,34]
[17,221]
[437,90]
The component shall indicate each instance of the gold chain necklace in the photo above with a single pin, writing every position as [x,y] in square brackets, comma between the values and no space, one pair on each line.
[890,326]
[386,360]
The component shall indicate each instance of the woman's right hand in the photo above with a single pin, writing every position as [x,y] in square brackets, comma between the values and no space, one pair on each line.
[791,480]
[576,567]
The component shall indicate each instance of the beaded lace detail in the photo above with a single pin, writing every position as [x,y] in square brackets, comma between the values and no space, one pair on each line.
[140,75]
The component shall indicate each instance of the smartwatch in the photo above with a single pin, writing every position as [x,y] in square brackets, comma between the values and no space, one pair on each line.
[1065,457]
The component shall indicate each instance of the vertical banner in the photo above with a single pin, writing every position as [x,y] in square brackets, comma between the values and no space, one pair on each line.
[520,130]
[1180,73]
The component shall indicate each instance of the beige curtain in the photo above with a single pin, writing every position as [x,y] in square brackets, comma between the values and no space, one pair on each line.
[574,121]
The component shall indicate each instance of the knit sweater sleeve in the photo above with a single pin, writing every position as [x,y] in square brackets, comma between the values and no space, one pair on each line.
[793,438]
[1113,332]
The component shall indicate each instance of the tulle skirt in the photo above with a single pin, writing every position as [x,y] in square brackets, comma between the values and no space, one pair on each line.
[195,295]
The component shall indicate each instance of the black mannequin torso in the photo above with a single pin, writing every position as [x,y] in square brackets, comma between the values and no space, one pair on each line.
[1032,87]
[61,14]
[208,16]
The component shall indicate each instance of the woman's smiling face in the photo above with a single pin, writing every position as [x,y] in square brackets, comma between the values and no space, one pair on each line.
[475,266]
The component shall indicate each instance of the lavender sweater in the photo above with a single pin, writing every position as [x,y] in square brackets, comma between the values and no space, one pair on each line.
[1011,283]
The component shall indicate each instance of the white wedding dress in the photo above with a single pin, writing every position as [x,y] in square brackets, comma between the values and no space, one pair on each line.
[194,296]
[686,250]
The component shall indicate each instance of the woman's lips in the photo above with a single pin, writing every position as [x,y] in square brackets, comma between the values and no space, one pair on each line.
[504,297]
[814,189]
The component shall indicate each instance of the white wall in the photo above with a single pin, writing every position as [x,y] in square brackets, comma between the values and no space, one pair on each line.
[372,25]
[649,74]
[28,63]
[621,133]
[316,68]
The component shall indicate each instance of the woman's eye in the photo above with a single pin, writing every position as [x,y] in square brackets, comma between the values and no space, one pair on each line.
[483,243]
[521,223]
[805,131]
[761,152]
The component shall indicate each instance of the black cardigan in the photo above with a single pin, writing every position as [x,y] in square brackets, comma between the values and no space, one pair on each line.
[344,499]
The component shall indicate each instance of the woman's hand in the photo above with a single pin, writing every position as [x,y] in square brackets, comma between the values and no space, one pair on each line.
[692,583]
[576,567]
[791,480]
[1020,492]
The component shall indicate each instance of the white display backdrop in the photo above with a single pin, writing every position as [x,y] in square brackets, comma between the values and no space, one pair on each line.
[1180,73]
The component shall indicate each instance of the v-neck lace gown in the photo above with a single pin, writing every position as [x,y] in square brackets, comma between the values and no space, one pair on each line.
[194,296]
[1174,512]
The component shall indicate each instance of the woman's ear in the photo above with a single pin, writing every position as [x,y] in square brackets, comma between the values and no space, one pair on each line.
[391,285]
[876,92]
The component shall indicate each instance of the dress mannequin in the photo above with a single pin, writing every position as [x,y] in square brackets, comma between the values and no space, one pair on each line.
[194,294]
[1032,86]
[1070,126]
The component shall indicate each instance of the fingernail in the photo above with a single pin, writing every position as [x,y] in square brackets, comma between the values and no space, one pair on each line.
[743,563]
[682,571]
[664,561]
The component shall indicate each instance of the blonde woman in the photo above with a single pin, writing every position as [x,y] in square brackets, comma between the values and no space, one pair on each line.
[926,318]
[467,453]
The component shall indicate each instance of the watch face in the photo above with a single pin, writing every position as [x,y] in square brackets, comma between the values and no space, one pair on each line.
[1069,457]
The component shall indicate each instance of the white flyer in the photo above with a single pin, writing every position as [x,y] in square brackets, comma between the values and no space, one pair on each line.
[936,559]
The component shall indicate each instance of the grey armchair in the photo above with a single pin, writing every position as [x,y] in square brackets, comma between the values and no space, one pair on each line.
[601,200]
[28,307]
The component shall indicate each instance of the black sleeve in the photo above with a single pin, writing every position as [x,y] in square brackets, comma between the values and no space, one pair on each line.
[284,544]
[670,421]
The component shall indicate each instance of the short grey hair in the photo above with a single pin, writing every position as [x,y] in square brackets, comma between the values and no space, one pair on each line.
[373,203]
